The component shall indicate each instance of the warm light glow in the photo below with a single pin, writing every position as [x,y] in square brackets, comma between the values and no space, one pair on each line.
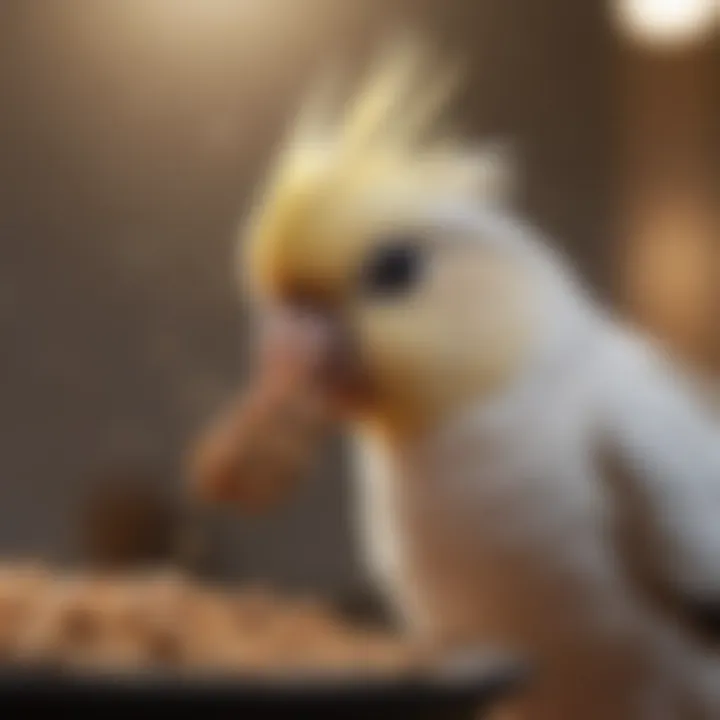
[193,16]
[668,22]
[199,10]
[669,272]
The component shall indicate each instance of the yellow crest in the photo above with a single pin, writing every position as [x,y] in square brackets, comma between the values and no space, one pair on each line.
[345,172]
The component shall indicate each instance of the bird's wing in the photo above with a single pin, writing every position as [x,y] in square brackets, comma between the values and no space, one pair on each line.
[661,445]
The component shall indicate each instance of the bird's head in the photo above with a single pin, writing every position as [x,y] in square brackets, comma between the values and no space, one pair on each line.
[394,236]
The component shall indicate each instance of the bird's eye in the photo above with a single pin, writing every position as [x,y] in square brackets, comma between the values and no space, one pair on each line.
[392,269]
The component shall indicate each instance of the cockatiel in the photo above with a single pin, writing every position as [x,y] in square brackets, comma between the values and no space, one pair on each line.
[532,474]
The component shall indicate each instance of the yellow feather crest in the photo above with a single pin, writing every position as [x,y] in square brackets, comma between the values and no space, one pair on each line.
[384,149]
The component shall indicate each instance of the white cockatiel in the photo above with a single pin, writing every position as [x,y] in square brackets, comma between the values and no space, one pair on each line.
[534,476]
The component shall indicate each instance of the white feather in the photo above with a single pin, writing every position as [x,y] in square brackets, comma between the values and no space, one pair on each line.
[500,525]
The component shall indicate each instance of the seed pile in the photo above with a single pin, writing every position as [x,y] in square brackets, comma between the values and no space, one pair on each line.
[166,621]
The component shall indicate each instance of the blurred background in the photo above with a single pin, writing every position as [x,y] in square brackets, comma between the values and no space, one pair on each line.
[132,135]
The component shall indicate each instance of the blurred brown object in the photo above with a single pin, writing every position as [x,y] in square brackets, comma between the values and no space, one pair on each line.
[254,452]
[127,522]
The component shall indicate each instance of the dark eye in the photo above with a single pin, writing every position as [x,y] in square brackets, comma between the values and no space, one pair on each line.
[392,269]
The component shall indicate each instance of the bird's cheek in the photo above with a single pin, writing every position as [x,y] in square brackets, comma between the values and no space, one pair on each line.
[392,352]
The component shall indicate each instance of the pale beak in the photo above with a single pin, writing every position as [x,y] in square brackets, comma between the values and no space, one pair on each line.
[314,344]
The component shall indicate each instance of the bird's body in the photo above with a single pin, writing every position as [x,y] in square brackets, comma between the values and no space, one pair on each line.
[542,478]
[514,536]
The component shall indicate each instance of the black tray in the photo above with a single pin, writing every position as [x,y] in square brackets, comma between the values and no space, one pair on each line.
[449,692]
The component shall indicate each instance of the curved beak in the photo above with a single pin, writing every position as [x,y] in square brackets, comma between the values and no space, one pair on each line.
[313,344]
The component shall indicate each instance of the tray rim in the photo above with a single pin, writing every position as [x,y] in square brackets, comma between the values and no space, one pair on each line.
[480,679]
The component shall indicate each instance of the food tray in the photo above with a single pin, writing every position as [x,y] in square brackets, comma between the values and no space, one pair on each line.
[468,690]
